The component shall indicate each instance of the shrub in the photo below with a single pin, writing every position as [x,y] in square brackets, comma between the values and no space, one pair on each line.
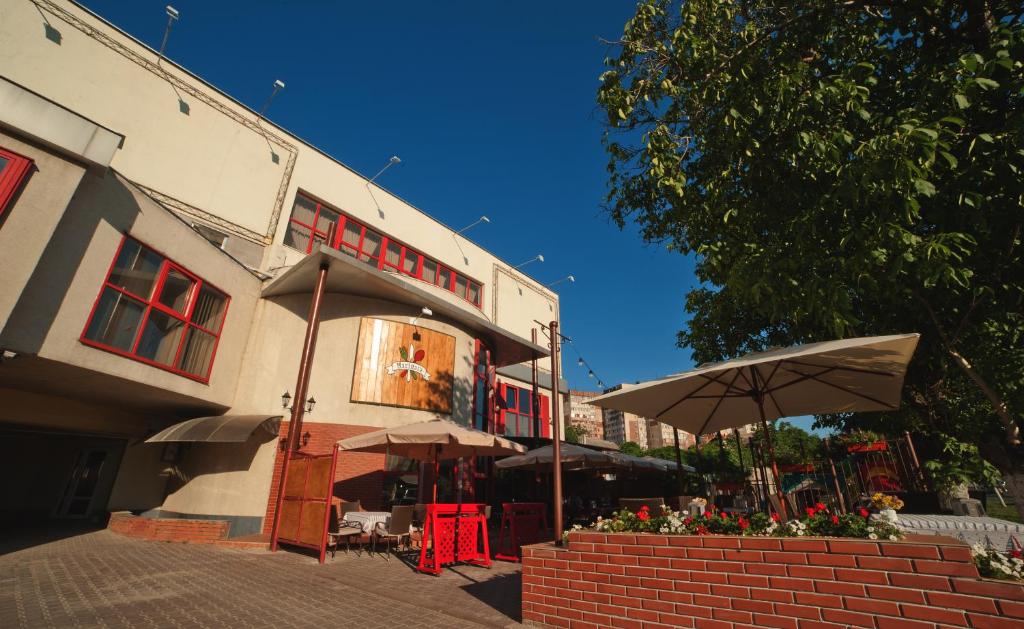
[818,521]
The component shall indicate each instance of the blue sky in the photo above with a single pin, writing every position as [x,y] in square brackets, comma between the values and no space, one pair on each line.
[491,107]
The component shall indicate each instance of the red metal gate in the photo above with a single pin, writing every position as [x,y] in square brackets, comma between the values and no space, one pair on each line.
[306,507]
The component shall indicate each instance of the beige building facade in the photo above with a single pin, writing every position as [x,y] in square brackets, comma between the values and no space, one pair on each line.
[582,415]
[161,246]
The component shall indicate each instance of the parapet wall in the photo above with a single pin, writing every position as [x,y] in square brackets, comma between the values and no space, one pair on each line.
[639,581]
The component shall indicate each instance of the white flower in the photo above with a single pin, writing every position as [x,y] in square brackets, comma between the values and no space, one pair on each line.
[872,536]
[871,529]
[893,538]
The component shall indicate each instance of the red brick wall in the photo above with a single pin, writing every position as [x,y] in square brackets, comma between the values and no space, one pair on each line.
[718,582]
[359,476]
[169,529]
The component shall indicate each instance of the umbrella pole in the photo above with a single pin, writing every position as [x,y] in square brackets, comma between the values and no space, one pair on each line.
[437,470]
[775,466]
[679,461]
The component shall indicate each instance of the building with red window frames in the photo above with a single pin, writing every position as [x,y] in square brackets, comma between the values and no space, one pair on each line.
[160,249]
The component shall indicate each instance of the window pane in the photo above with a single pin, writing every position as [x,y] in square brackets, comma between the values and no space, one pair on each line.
[3,163]
[411,262]
[510,398]
[429,271]
[160,337]
[461,284]
[511,424]
[474,293]
[347,251]
[297,236]
[116,320]
[524,402]
[136,269]
[371,243]
[198,350]
[209,310]
[304,210]
[444,278]
[175,291]
[394,254]
[353,231]
[327,221]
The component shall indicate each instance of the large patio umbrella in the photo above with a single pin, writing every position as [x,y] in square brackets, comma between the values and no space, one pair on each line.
[432,441]
[860,374]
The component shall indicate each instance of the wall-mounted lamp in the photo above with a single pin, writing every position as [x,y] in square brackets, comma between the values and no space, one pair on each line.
[424,312]
[568,278]
[286,401]
[305,439]
[537,258]
[172,17]
[391,162]
[278,86]
[482,219]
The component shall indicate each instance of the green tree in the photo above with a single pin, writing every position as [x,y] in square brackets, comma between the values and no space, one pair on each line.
[575,434]
[840,169]
[631,448]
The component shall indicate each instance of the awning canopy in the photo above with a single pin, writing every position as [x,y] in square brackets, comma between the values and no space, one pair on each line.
[219,429]
[348,275]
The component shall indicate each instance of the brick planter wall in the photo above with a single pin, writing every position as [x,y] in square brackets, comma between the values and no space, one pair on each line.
[168,529]
[720,582]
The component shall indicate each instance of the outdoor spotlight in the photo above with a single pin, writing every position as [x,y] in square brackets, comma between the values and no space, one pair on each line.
[391,162]
[305,439]
[482,219]
[395,159]
[424,312]
[537,258]
[172,12]
[286,400]
[310,403]
[278,84]
[579,362]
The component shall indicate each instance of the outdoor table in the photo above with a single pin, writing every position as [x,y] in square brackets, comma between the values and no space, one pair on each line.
[368,519]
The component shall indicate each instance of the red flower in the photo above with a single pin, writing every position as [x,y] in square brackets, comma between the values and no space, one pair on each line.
[775,517]
[821,507]
[725,516]
[702,530]
[864,512]
[1016,553]
[835,519]
[688,521]
[744,525]
[643,515]
[810,512]
[707,515]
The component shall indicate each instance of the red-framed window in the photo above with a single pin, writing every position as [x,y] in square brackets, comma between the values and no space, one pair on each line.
[13,168]
[155,311]
[312,223]
[517,412]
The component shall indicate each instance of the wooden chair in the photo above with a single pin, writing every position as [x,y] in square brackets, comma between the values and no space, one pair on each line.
[339,529]
[397,529]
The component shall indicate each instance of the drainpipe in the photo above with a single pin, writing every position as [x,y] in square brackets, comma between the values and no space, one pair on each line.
[556,436]
[301,388]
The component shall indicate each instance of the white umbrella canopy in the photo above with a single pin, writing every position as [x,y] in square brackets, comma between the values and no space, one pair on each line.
[435,439]
[862,374]
[573,457]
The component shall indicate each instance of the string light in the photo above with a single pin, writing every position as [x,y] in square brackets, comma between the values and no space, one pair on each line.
[582,362]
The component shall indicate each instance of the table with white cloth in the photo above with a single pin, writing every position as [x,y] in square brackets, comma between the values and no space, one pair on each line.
[368,519]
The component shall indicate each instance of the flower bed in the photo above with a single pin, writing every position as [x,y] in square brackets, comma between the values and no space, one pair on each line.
[816,521]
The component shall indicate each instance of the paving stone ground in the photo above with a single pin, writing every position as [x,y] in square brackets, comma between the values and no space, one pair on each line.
[101,579]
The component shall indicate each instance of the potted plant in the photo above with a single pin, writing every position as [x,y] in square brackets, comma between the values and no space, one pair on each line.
[887,506]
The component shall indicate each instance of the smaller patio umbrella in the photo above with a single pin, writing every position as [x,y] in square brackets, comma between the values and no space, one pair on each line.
[432,440]
[667,465]
[573,457]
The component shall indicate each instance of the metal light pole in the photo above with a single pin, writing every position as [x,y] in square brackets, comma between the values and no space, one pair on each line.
[535,391]
[557,433]
[679,461]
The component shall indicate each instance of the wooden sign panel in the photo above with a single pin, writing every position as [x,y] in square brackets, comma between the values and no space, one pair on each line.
[395,368]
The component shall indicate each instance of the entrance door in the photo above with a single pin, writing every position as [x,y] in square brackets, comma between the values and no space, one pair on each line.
[83,483]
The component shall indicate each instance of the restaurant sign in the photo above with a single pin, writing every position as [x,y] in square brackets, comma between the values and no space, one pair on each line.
[399,364]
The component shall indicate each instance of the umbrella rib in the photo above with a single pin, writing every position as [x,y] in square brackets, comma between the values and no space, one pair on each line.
[687,396]
[727,386]
[798,380]
[872,372]
[844,389]
[717,404]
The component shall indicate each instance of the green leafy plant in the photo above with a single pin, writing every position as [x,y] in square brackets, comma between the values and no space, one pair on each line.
[996,565]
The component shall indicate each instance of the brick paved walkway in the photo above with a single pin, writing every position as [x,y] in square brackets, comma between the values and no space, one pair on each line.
[100,579]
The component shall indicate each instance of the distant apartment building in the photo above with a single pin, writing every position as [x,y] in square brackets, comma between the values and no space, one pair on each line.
[582,415]
[660,435]
[620,427]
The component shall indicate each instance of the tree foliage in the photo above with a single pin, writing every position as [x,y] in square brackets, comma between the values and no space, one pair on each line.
[575,434]
[839,169]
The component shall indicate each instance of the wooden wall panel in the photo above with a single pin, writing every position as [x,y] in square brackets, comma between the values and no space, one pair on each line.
[378,377]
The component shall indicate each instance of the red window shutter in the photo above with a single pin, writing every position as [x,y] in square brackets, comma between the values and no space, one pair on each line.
[499,420]
[545,416]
